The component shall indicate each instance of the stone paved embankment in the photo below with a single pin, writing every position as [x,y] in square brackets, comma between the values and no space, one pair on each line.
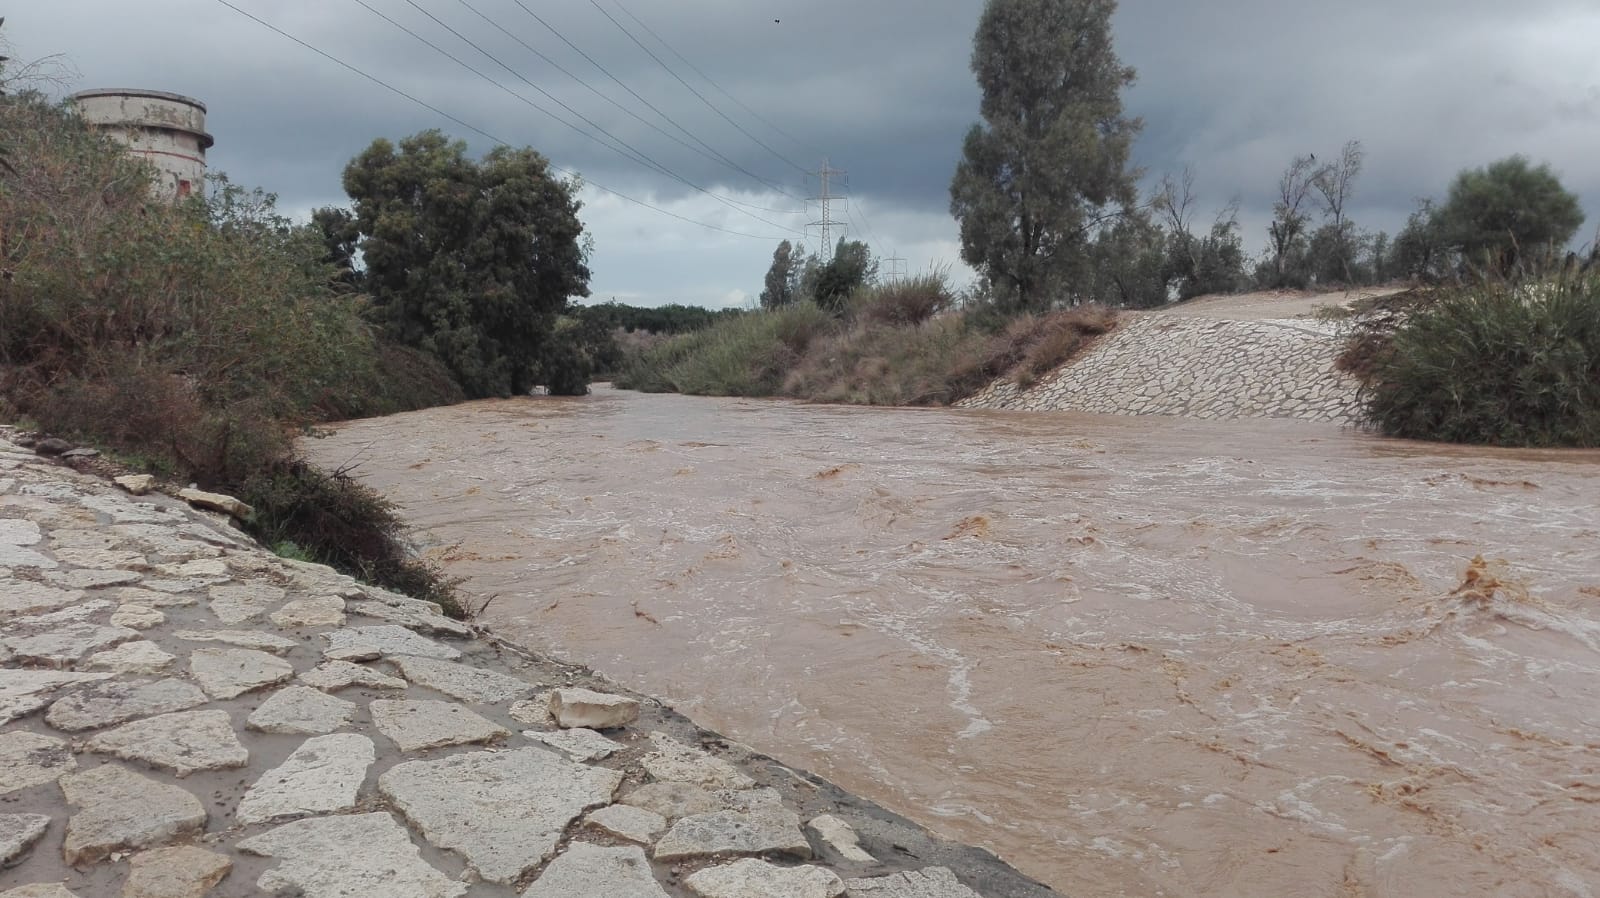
[184,715]
[1197,367]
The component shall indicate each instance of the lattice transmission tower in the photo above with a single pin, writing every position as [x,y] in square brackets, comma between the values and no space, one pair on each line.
[831,179]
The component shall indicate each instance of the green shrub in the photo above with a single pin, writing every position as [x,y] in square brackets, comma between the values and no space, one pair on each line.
[203,338]
[1496,364]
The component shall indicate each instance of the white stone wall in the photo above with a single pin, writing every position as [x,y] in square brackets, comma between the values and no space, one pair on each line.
[1156,364]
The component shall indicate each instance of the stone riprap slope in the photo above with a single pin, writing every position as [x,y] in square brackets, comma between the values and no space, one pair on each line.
[183,714]
[1197,367]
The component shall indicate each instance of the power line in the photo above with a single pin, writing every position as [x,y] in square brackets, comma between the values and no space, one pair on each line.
[651,106]
[627,149]
[696,69]
[479,131]
[712,106]
[708,152]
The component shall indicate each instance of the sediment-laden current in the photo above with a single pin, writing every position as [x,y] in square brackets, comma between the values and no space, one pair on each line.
[1133,656]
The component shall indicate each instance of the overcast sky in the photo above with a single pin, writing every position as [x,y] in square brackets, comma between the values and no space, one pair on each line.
[1234,88]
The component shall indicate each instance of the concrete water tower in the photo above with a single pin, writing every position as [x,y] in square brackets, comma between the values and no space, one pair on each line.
[167,130]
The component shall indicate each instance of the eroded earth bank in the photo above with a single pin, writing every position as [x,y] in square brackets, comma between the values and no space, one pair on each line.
[1134,656]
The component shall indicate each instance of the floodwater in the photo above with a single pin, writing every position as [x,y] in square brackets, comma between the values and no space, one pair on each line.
[1132,656]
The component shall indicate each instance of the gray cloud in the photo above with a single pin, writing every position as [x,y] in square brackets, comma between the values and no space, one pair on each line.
[1233,87]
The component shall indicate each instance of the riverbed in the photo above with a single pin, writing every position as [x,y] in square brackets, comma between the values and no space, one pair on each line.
[1132,656]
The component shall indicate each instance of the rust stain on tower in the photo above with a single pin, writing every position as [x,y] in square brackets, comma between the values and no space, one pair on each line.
[168,130]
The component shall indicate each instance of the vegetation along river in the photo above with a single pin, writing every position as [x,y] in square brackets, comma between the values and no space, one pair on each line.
[1133,656]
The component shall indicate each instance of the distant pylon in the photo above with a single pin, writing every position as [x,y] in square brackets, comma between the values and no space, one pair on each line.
[830,177]
[897,268]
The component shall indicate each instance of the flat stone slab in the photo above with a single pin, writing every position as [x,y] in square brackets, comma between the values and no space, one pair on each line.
[228,673]
[841,836]
[317,611]
[469,684]
[66,643]
[23,692]
[302,711]
[39,890]
[183,743]
[675,762]
[386,640]
[185,872]
[235,603]
[137,617]
[592,710]
[675,800]
[758,879]
[418,725]
[324,775]
[121,810]
[346,857]
[19,532]
[764,831]
[591,871]
[331,676]
[142,657]
[504,811]
[411,617]
[27,597]
[244,639]
[149,597]
[627,822]
[111,703]
[18,833]
[29,759]
[579,744]
[19,556]
[86,579]
[929,882]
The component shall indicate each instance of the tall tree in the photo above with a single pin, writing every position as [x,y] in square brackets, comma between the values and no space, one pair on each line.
[1506,212]
[781,277]
[471,261]
[1289,220]
[1049,162]
[1335,184]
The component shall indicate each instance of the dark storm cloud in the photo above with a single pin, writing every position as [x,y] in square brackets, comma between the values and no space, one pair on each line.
[1235,88]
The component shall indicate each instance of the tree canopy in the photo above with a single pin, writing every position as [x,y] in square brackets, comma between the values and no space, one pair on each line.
[1507,211]
[1050,158]
[471,261]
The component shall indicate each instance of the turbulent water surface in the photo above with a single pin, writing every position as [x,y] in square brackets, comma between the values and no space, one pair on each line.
[1133,656]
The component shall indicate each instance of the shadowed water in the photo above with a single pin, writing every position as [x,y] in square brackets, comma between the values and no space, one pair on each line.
[1133,656]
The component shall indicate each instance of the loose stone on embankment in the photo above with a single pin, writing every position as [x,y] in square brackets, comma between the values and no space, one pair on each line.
[239,730]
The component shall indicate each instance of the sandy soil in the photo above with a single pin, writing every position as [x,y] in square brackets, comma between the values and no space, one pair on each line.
[1272,304]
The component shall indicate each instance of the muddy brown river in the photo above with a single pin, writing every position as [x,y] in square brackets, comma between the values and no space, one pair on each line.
[1132,656]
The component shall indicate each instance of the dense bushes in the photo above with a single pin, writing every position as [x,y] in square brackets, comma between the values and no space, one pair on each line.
[1497,364]
[900,343]
[198,340]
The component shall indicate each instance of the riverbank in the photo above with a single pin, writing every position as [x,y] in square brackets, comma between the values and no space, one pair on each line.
[184,714]
[1264,355]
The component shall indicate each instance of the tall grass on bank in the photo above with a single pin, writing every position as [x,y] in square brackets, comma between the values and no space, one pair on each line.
[744,356]
[1497,364]
[902,343]
[202,339]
